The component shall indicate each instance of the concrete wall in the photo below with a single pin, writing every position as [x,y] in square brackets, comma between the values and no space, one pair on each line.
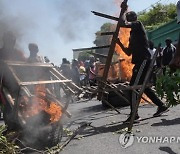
[76,54]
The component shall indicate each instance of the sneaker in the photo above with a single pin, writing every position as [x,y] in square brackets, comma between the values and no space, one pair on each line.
[136,120]
[160,111]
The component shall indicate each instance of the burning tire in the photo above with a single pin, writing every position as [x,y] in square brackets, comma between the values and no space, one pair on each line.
[34,109]
[55,135]
[43,136]
[40,105]
[40,117]
[49,135]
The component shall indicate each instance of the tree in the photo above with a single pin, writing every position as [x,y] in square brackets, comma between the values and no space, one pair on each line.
[157,15]
[105,39]
[83,56]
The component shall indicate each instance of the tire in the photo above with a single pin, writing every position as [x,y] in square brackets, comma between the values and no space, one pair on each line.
[49,98]
[50,136]
[42,137]
[55,135]
[37,129]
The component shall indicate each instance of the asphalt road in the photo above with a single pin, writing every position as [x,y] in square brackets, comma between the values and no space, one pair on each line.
[158,135]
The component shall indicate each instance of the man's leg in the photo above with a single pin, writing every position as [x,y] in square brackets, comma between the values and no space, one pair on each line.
[161,107]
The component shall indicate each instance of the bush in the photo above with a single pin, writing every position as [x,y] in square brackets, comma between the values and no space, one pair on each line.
[168,87]
[6,146]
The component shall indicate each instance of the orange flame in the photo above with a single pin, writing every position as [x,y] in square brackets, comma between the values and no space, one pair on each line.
[33,106]
[125,66]
[124,69]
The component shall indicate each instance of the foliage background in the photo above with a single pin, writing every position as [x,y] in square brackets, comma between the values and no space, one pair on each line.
[168,87]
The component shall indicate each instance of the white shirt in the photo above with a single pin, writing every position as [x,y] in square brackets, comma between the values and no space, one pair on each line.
[152,51]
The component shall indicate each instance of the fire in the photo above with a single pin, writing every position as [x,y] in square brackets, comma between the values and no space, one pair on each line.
[113,73]
[33,106]
[123,70]
[125,66]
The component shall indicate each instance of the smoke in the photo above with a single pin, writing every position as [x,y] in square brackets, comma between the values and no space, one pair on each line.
[15,23]
[76,18]
[56,26]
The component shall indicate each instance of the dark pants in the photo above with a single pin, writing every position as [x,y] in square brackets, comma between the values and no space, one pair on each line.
[148,91]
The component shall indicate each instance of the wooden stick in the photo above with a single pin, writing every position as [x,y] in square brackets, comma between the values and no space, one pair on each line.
[117,92]
[64,78]
[91,48]
[8,97]
[111,51]
[105,33]
[72,91]
[23,64]
[42,82]
[15,76]
[105,15]
[123,87]
[98,54]
[28,148]
[140,71]
[111,106]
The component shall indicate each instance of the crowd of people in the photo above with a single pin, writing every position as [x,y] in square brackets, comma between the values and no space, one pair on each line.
[82,73]
[165,54]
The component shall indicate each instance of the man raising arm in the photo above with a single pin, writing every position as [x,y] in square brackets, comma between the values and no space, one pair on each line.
[138,48]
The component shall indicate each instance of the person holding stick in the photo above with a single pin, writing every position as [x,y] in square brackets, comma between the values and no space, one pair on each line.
[138,48]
